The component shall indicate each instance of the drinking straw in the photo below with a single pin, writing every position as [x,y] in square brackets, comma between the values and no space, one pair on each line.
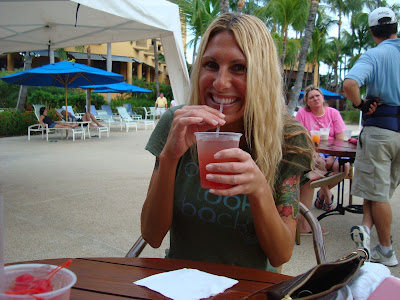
[2,272]
[220,110]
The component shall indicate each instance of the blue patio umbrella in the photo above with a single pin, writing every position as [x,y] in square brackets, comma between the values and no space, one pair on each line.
[121,87]
[63,74]
[327,94]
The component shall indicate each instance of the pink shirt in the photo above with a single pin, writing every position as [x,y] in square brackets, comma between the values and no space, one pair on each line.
[331,117]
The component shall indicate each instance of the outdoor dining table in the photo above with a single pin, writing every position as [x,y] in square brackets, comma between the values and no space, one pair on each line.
[112,278]
[345,152]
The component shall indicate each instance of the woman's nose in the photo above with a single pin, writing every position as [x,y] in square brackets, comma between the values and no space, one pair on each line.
[222,81]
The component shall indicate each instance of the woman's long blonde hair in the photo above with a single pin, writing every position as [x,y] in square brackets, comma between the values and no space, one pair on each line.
[264,106]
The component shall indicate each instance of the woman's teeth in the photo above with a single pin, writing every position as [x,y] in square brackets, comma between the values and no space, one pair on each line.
[224,100]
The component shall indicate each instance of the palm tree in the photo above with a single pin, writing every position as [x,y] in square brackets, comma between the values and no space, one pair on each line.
[198,14]
[294,95]
[224,6]
[319,39]
[342,8]
[154,42]
[286,13]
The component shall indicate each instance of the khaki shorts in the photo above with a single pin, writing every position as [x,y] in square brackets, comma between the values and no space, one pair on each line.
[377,164]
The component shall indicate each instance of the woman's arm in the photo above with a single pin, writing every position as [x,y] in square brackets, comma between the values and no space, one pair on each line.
[41,121]
[156,217]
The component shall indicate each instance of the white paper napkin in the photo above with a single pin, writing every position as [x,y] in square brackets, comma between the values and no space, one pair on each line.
[187,284]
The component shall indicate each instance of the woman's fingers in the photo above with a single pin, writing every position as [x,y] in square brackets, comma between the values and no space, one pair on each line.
[241,172]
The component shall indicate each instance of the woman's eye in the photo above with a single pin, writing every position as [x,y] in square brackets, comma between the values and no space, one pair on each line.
[239,68]
[210,65]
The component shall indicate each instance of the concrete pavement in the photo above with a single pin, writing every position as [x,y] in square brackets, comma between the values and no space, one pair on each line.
[83,199]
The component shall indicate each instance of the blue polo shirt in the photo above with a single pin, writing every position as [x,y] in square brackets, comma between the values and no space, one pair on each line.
[379,69]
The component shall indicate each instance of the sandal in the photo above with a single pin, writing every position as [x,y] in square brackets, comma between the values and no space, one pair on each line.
[318,202]
[328,207]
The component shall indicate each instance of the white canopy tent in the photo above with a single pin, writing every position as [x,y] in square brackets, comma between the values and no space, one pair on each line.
[27,25]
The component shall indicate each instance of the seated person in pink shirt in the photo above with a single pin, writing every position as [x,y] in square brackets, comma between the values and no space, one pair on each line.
[314,116]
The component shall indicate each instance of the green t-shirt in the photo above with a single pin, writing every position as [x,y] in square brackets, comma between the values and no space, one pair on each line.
[212,228]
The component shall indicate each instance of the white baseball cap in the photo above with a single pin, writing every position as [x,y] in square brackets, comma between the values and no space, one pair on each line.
[376,16]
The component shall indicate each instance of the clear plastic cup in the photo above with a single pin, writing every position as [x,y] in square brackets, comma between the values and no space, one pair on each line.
[324,134]
[62,281]
[347,134]
[315,136]
[209,143]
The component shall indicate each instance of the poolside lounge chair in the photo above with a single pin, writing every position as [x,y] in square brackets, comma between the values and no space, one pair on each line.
[109,120]
[78,116]
[39,128]
[107,108]
[93,111]
[133,115]
[126,119]
[71,111]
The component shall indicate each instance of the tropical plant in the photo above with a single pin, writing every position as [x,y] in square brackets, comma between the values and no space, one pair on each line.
[318,45]
[294,95]
[198,14]
[286,13]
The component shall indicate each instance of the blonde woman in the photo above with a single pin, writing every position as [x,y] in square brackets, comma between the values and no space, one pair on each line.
[252,224]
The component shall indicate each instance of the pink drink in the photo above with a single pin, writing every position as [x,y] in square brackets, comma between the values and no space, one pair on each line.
[209,143]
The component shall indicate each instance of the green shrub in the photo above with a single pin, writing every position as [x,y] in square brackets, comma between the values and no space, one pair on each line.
[14,123]
[350,116]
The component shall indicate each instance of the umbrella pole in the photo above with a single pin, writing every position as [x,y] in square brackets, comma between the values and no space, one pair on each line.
[66,110]
[90,99]
[66,107]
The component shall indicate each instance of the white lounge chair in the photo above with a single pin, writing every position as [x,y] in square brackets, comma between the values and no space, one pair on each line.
[133,115]
[107,108]
[106,118]
[93,111]
[126,119]
[39,128]
[77,116]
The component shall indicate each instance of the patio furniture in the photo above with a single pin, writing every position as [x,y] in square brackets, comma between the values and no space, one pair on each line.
[111,278]
[39,127]
[107,109]
[106,118]
[133,115]
[93,111]
[126,119]
[148,114]
[318,240]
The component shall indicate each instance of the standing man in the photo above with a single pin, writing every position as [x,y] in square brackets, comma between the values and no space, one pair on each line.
[377,164]
[161,105]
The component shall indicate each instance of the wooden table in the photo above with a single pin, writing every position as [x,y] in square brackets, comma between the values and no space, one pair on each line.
[111,278]
[346,152]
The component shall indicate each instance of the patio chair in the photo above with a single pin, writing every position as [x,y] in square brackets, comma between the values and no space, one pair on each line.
[149,114]
[133,115]
[107,109]
[39,128]
[126,119]
[80,115]
[153,112]
[93,111]
[71,111]
[106,118]
[318,240]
